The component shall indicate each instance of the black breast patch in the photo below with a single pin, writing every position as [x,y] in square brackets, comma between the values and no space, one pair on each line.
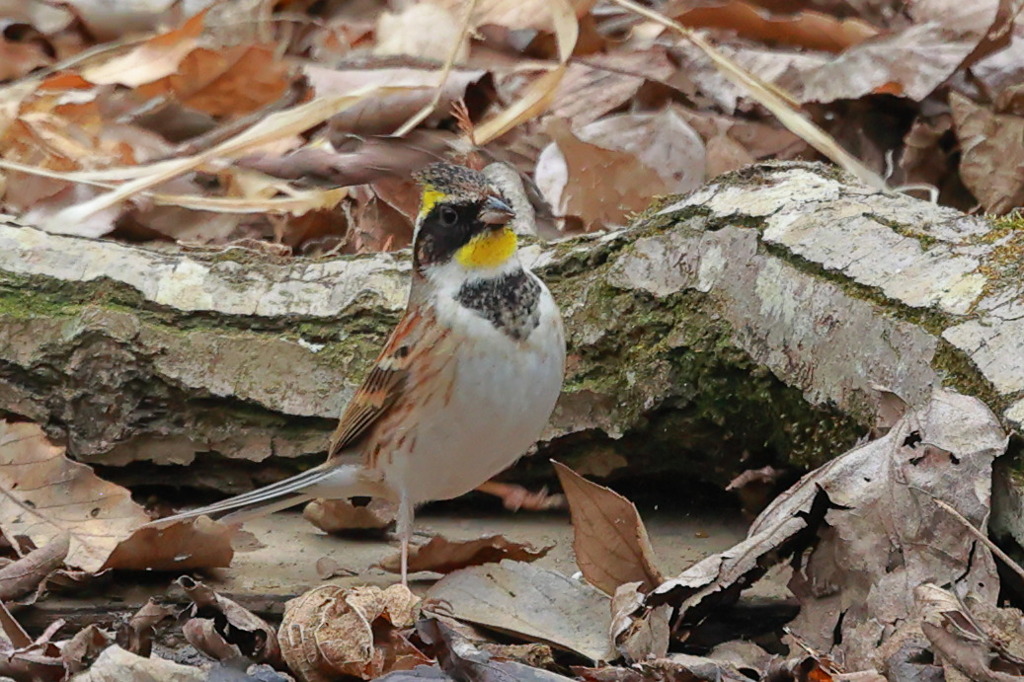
[511,302]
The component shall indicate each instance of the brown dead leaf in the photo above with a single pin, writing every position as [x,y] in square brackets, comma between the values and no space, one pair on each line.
[599,186]
[330,632]
[601,84]
[84,648]
[44,495]
[136,636]
[377,225]
[532,603]
[23,658]
[808,29]
[385,112]
[663,142]
[945,36]
[518,14]
[731,134]
[461,660]
[158,57]
[609,538]
[335,516]
[876,532]
[638,631]
[992,155]
[401,33]
[442,555]
[533,100]
[224,82]
[969,645]
[117,665]
[26,575]
[224,630]
[356,159]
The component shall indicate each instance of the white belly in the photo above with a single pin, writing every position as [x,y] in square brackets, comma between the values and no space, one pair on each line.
[504,392]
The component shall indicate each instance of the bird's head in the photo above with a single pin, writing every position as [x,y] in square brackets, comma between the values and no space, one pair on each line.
[463,221]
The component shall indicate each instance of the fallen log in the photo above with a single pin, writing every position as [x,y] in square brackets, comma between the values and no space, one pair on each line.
[753,321]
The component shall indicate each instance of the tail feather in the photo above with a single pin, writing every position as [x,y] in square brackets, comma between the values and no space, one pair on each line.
[326,480]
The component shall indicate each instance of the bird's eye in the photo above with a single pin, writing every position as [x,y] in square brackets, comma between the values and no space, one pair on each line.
[449,216]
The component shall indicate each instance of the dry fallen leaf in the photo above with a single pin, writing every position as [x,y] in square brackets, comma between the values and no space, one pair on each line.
[531,603]
[335,516]
[224,630]
[136,636]
[44,495]
[915,61]
[224,81]
[402,32]
[601,84]
[966,644]
[876,532]
[808,29]
[639,632]
[23,658]
[463,661]
[599,186]
[26,575]
[82,650]
[331,631]
[609,538]
[442,555]
[154,59]
[991,154]
[663,142]
[117,665]
[383,113]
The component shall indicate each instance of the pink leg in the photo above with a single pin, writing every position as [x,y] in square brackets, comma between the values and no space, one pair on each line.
[404,528]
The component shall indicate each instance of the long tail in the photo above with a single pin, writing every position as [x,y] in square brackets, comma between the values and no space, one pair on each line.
[329,480]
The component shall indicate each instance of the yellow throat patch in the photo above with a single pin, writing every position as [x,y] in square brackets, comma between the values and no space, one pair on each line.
[488,249]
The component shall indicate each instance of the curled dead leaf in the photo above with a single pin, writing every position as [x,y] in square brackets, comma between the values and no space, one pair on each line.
[335,516]
[27,574]
[137,634]
[224,630]
[969,643]
[331,631]
[639,632]
[84,648]
[991,154]
[442,555]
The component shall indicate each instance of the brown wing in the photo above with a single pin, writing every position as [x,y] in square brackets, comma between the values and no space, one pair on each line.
[387,381]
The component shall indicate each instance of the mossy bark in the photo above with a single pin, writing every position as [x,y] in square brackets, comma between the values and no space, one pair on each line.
[749,323]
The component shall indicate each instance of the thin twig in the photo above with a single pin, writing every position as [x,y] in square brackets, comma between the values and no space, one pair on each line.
[418,117]
[981,536]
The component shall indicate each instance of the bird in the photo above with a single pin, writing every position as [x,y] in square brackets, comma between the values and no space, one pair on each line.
[466,381]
